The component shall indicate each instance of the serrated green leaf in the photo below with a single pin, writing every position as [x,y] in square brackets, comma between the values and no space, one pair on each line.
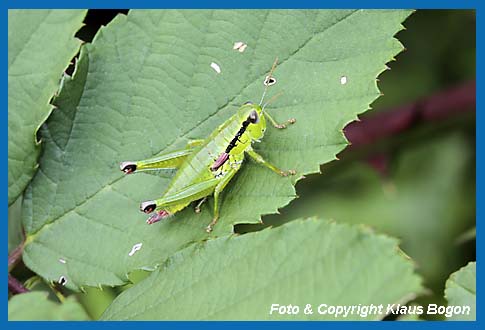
[41,44]
[34,306]
[303,262]
[146,85]
[461,291]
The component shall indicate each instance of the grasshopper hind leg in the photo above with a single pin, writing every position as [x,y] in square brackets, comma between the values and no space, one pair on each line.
[128,167]
[176,201]
[170,160]
[150,206]
[157,216]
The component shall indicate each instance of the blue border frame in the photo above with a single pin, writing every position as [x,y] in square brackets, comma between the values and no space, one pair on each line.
[214,4]
[108,4]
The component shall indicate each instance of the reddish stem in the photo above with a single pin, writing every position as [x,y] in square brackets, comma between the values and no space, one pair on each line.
[15,256]
[441,105]
[15,286]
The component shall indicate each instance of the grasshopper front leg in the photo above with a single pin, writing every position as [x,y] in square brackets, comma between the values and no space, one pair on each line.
[275,123]
[260,160]
[199,204]
[168,160]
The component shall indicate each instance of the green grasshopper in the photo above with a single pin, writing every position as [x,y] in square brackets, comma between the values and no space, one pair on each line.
[199,174]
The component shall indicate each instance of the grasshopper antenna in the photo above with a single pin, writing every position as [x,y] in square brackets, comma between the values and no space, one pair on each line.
[271,100]
[269,80]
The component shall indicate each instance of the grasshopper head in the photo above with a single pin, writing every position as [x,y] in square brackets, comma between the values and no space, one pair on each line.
[253,113]
[249,108]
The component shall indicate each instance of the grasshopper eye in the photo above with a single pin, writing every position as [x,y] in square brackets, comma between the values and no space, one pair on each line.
[128,167]
[148,207]
[253,117]
[248,102]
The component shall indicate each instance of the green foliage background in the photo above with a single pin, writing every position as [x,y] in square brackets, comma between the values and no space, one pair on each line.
[424,200]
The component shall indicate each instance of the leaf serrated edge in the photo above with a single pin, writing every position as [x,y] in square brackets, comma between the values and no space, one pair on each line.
[452,280]
[38,143]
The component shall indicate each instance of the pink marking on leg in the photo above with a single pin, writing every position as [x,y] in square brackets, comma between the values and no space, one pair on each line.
[157,216]
[220,161]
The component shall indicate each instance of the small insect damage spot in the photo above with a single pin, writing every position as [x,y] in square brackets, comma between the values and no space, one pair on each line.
[343,80]
[62,280]
[269,81]
[135,248]
[216,67]
[239,46]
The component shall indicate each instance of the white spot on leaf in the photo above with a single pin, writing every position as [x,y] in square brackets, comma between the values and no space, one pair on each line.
[269,81]
[135,248]
[216,67]
[62,280]
[62,261]
[343,80]
[240,46]
[237,45]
